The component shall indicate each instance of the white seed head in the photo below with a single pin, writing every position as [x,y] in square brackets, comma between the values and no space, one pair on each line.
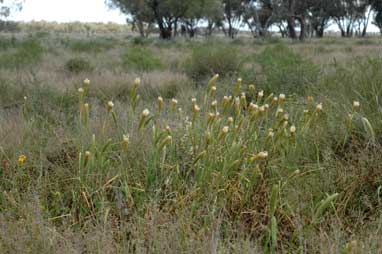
[319,107]
[356,104]
[282,97]
[145,112]
[160,99]
[261,94]
[110,106]
[214,103]
[225,129]
[230,119]
[137,81]
[81,90]
[262,155]
[174,101]
[86,82]
[293,129]
[213,88]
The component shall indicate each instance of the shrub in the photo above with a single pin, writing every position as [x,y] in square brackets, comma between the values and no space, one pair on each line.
[26,53]
[284,70]
[93,46]
[208,60]
[78,65]
[141,59]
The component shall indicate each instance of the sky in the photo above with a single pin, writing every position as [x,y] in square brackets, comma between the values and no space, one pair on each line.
[68,11]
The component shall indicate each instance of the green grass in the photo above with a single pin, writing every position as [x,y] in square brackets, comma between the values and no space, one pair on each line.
[25,53]
[192,176]
[141,59]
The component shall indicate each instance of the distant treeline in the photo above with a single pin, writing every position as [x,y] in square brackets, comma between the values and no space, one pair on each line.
[71,27]
[296,19]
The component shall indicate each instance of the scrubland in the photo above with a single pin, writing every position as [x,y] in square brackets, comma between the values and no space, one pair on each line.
[111,144]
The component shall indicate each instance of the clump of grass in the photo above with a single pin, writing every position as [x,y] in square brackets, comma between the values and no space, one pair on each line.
[92,46]
[207,60]
[78,64]
[26,53]
[141,59]
[285,70]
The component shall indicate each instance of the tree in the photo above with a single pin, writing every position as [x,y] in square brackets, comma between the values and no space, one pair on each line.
[233,14]
[346,14]
[207,10]
[377,8]
[6,7]
[165,13]
[259,16]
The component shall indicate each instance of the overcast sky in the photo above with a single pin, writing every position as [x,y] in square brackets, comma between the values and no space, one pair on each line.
[81,10]
[67,11]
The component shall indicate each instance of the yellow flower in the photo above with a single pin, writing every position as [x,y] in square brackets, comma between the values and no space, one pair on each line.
[21,160]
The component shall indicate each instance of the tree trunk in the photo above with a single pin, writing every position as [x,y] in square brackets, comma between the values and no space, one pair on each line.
[302,28]
[291,29]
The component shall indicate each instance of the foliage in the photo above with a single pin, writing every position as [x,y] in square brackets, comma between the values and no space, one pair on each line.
[285,70]
[78,65]
[141,59]
[212,58]
[25,53]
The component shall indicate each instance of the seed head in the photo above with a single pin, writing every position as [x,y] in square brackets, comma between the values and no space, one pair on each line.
[261,94]
[137,82]
[214,103]
[81,90]
[145,113]
[225,129]
[263,155]
[282,97]
[293,129]
[356,104]
[110,106]
[230,119]
[86,82]
[196,108]
[253,106]
[319,107]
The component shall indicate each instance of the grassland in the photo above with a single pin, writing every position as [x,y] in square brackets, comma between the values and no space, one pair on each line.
[123,145]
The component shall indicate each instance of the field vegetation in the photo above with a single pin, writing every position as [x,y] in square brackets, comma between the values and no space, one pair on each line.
[116,145]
